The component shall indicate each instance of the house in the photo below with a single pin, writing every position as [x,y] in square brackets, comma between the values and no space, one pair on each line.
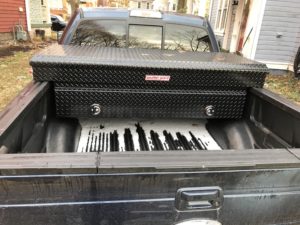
[61,8]
[141,4]
[24,17]
[264,30]
[163,5]
[13,12]
[87,3]
[196,7]
[172,7]
[202,8]
[103,3]
[118,3]
[40,16]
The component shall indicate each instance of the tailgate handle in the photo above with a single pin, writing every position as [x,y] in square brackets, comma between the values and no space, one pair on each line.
[199,198]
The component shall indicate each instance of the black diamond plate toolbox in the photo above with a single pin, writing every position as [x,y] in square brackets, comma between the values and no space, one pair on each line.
[146,67]
[113,82]
[145,103]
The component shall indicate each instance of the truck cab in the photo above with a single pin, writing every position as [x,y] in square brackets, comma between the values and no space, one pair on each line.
[124,28]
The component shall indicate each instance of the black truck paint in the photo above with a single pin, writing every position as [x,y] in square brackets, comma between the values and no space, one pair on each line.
[255,181]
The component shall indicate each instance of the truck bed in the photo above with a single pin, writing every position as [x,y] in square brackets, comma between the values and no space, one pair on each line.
[55,171]
[30,125]
[120,135]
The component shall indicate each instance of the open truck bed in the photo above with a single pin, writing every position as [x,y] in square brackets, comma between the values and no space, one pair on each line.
[241,165]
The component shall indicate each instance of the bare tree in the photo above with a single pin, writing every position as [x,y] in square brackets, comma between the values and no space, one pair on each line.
[74,5]
[188,41]
[91,33]
[181,6]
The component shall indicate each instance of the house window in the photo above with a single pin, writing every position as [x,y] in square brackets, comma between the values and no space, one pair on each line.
[139,5]
[148,5]
[222,16]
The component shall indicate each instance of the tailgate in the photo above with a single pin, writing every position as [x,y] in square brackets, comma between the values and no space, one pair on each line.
[161,188]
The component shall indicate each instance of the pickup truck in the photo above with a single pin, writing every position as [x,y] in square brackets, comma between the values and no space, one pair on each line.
[126,122]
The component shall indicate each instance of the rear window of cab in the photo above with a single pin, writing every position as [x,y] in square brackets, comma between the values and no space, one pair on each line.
[113,33]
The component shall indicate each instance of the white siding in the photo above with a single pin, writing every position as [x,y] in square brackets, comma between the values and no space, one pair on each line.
[213,17]
[214,11]
[279,35]
[230,30]
[40,14]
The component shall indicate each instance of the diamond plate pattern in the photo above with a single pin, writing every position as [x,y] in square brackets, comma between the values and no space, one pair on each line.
[149,103]
[130,66]
[114,78]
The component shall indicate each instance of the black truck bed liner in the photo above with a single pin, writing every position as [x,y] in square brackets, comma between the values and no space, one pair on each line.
[89,163]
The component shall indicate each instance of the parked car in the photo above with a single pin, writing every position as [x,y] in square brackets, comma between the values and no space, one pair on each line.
[111,132]
[58,23]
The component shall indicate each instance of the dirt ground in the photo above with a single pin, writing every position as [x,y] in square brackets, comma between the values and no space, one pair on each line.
[14,69]
[286,85]
[15,74]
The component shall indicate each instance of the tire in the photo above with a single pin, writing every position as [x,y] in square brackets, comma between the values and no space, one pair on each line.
[297,64]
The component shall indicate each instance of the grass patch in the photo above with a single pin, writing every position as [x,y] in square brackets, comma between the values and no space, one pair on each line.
[285,85]
[14,75]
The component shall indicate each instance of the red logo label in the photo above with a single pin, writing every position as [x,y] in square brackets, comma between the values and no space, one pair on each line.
[157,77]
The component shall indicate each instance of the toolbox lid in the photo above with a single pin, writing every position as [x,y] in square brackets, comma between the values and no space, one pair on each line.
[68,63]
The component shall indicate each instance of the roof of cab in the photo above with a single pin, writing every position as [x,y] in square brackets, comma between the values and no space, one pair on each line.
[122,13]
